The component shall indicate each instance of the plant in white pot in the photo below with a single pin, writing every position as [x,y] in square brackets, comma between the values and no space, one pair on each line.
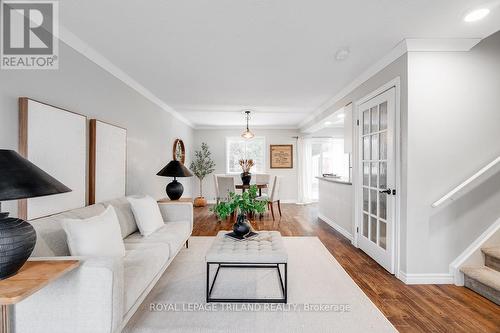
[201,166]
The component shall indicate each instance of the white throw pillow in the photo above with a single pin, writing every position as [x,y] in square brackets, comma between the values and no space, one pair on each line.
[96,236]
[147,214]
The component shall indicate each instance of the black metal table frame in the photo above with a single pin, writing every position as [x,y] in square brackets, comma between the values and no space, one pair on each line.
[284,285]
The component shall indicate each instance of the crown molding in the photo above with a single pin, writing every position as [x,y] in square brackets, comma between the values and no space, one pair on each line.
[73,41]
[406,45]
[240,127]
[240,108]
[440,44]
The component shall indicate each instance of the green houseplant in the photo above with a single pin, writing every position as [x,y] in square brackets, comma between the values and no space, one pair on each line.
[242,204]
[202,165]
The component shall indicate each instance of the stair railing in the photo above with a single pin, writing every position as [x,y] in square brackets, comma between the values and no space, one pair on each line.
[469,181]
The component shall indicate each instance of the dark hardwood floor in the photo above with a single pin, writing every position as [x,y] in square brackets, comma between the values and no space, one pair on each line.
[410,308]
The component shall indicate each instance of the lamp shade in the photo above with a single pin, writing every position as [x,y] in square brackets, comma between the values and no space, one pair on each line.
[20,179]
[175,169]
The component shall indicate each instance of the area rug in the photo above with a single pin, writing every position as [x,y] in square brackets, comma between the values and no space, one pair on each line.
[321,296]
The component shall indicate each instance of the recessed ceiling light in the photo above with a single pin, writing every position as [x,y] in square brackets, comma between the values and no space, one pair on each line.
[342,54]
[476,15]
[328,123]
[342,116]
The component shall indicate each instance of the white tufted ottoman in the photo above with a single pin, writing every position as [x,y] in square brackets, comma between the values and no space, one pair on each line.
[263,251]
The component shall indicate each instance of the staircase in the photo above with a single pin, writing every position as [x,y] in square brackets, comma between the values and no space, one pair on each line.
[485,279]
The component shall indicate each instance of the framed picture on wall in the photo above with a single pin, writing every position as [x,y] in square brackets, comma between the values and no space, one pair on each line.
[281,156]
[107,161]
[54,139]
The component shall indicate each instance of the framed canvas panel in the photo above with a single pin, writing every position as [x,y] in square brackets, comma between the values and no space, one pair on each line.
[55,140]
[281,156]
[107,161]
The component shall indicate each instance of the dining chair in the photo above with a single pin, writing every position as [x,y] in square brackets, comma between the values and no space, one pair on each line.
[274,197]
[263,178]
[224,185]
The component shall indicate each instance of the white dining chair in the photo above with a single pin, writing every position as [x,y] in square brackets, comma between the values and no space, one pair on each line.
[263,178]
[274,197]
[224,185]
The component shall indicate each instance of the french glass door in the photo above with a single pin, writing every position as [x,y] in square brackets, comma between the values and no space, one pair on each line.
[377,178]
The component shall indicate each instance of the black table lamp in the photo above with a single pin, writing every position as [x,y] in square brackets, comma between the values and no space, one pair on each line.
[175,169]
[20,179]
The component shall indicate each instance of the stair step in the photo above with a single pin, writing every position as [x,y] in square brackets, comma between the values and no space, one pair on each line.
[492,257]
[484,281]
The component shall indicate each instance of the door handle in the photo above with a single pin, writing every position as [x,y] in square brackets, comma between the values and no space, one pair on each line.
[388,191]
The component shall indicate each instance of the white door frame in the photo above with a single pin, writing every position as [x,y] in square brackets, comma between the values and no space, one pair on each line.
[396,83]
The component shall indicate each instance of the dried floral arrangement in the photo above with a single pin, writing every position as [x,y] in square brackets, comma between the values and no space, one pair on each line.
[246,165]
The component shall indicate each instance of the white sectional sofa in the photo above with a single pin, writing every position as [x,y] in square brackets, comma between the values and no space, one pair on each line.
[103,292]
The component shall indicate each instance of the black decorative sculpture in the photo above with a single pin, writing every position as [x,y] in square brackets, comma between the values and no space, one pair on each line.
[20,179]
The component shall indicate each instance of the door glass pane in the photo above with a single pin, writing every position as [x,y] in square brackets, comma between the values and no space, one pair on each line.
[383,145]
[383,116]
[366,148]
[382,209]
[366,174]
[366,121]
[374,119]
[365,225]
[383,175]
[373,229]
[365,200]
[374,147]
[373,202]
[373,177]
[382,234]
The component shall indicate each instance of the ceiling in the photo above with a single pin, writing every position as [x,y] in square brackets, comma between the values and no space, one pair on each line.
[211,59]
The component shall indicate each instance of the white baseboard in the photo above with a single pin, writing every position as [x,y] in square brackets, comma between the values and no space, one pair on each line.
[426,278]
[335,226]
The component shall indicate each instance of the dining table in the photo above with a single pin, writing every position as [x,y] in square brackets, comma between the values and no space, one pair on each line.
[244,187]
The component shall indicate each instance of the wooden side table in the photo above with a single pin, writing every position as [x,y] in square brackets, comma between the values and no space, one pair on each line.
[167,200]
[33,276]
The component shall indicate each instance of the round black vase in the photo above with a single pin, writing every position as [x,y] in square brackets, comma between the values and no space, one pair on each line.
[17,241]
[175,190]
[246,177]
[241,227]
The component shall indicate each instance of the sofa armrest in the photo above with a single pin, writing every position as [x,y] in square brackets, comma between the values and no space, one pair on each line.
[87,299]
[177,211]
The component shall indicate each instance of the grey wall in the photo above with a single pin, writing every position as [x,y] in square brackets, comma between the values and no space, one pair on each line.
[216,140]
[81,86]
[453,131]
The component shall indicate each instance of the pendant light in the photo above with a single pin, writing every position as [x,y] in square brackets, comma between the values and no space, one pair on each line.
[247,134]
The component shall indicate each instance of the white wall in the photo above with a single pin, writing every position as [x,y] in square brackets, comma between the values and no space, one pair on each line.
[453,131]
[216,140]
[81,86]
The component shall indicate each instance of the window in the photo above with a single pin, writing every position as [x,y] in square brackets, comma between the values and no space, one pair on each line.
[328,157]
[238,148]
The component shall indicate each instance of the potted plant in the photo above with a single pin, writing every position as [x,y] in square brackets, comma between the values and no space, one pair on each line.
[242,204]
[246,176]
[202,165]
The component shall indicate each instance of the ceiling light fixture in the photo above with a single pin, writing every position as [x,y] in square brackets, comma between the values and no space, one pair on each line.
[476,15]
[247,134]
[341,116]
[328,123]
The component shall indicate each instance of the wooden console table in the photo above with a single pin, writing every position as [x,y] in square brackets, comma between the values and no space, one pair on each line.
[33,276]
